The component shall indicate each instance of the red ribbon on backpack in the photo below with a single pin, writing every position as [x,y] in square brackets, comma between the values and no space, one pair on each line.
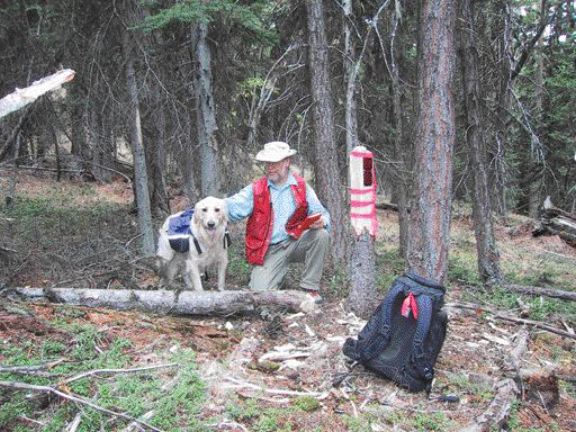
[409,304]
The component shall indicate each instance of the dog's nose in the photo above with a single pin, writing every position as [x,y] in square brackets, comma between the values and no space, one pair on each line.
[211,224]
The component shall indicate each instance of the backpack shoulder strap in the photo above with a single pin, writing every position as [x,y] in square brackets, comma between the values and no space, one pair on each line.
[377,335]
[419,359]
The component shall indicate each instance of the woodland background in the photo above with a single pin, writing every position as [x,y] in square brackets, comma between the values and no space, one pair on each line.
[194,88]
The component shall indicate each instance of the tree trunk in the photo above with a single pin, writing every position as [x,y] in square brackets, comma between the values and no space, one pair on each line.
[486,249]
[434,143]
[401,147]
[160,202]
[206,126]
[140,175]
[362,298]
[351,115]
[328,178]
[502,98]
[172,302]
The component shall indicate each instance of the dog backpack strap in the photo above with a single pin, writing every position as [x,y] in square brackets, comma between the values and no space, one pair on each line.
[378,335]
[227,240]
[196,243]
[419,359]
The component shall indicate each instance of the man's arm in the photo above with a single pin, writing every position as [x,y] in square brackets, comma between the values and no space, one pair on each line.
[315,206]
[240,205]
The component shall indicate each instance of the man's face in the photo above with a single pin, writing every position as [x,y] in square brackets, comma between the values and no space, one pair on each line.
[277,172]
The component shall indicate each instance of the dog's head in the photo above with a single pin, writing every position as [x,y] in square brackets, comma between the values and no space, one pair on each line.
[210,213]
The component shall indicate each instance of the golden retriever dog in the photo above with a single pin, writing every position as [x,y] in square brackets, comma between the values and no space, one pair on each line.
[194,241]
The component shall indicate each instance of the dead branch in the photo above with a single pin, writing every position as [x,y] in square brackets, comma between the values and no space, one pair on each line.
[132,426]
[171,302]
[36,370]
[518,351]
[22,97]
[74,398]
[498,410]
[73,426]
[239,384]
[537,291]
[115,371]
[504,317]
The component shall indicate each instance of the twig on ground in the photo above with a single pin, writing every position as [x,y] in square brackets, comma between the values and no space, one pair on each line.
[28,419]
[504,317]
[74,398]
[115,371]
[132,426]
[36,370]
[75,423]
[246,384]
[225,424]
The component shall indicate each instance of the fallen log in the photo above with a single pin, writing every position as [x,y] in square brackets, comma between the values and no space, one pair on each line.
[537,291]
[555,221]
[498,410]
[496,314]
[171,302]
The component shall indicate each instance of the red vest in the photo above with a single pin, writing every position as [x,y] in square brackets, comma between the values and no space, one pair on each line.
[260,223]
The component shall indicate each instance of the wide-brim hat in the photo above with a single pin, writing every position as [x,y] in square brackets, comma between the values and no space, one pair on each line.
[275,151]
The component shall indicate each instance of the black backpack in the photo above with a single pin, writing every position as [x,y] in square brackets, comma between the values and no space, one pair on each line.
[403,337]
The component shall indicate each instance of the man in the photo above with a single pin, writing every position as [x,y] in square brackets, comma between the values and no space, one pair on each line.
[277,205]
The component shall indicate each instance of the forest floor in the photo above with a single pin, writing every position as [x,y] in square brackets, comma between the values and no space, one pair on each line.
[204,373]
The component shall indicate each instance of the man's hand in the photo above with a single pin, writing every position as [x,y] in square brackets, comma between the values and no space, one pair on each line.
[318,224]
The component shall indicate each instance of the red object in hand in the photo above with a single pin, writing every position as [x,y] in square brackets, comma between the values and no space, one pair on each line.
[305,224]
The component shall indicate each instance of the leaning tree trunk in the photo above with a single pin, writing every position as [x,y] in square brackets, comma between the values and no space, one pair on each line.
[328,178]
[210,179]
[487,252]
[140,174]
[434,143]
[22,97]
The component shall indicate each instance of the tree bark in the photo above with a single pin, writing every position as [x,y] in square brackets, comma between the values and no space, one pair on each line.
[434,143]
[172,302]
[351,116]
[328,178]
[401,147]
[206,116]
[487,254]
[140,174]
[362,298]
